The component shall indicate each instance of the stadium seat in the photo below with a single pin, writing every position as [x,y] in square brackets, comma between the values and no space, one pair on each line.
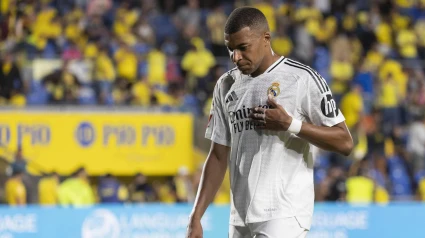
[49,51]
[399,178]
[37,96]
[163,27]
[87,96]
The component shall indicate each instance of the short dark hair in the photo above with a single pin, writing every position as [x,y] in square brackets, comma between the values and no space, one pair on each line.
[245,17]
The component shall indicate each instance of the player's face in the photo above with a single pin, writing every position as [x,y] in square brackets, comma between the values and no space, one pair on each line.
[246,49]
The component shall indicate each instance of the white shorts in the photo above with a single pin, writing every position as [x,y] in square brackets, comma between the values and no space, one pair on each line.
[278,228]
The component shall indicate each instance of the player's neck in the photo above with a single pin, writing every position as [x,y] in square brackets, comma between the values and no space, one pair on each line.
[267,61]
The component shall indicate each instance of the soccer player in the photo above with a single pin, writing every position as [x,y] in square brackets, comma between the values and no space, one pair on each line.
[267,116]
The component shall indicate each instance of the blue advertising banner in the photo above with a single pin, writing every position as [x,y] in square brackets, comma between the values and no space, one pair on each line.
[170,221]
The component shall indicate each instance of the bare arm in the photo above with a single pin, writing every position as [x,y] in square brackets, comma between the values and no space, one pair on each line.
[212,176]
[336,138]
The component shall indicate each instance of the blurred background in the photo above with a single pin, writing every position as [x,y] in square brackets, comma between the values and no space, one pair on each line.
[107,101]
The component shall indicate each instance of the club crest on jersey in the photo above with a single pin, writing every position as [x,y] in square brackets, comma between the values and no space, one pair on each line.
[274,90]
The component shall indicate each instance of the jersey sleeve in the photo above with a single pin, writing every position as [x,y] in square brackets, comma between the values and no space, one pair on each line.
[218,129]
[319,105]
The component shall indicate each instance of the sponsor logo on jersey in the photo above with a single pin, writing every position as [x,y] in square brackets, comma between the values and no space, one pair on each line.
[240,119]
[328,106]
[274,90]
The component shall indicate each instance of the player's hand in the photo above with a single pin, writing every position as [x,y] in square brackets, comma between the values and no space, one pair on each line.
[194,229]
[275,118]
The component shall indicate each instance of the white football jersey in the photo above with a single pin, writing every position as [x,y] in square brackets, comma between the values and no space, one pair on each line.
[271,173]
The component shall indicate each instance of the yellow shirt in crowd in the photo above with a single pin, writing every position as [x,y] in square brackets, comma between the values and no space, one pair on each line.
[399,22]
[91,51]
[341,73]
[374,59]
[215,23]
[142,93]
[76,192]
[421,189]
[360,189]
[269,13]
[157,63]
[388,97]
[104,70]
[126,64]
[15,192]
[405,3]
[4,6]
[282,45]
[390,67]
[383,34]
[381,195]
[351,107]
[407,41]
[420,32]
[48,191]
[191,59]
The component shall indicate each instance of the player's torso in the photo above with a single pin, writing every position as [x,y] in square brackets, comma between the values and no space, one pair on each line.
[247,93]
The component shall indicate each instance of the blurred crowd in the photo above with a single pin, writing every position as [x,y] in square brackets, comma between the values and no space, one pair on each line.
[79,189]
[170,53]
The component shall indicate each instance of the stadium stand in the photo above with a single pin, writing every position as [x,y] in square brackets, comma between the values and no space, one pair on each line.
[169,54]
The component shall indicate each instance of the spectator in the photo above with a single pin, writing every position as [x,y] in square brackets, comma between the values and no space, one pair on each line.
[62,85]
[16,193]
[157,63]
[141,191]
[215,22]
[360,188]
[364,78]
[266,7]
[377,47]
[110,190]
[384,33]
[98,7]
[389,101]
[19,163]
[337,189]
[11,83]
[188,14]
[121,92]
[104,75]
[145,32]
[184,186]
[76,190]
[420,195]
[416,144]
[71,52]
[48,189]
[352,106]
[281,43]
[126,62]
[166,190]
[407,43]
[190,63]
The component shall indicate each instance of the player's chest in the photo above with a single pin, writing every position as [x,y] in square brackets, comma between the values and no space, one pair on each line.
[248,94]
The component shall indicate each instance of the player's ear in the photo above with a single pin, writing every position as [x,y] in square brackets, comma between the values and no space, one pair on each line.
[267,37]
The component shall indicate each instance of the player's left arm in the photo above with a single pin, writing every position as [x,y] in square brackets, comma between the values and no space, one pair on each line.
[335,138]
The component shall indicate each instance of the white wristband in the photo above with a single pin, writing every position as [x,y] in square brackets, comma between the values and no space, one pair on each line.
[295,126]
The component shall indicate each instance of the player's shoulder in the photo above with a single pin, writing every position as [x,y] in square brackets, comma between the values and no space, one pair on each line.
[297,68]
[225,82]
[305,73]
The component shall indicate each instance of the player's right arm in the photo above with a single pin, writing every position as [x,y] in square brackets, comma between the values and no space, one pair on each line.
[215,166]
[211,179]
